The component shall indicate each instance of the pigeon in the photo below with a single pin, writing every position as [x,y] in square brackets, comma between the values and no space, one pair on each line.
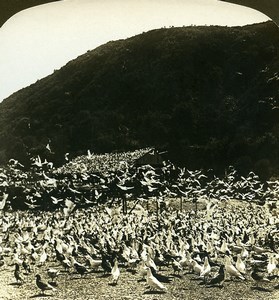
[206,269]
[81,270]
[160,277]
[53,273]
[115,272]
[26,266]
[106,265]
[17,274]
[150,262]
[43,286]
[219,278]
[176,266]
[196,268]
[142,270]
[93,263]
[257,277]
[240,265]
[231,269]
[153,282]
[271,266]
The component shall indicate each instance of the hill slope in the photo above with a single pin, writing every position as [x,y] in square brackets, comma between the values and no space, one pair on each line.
[208,95]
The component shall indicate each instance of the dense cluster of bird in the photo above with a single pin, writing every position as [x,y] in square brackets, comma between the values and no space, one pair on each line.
[80,237]
[214,245]
[102,163]
[93,179]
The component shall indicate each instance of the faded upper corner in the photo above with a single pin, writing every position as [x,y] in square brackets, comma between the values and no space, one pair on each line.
[11,7]
[268,7]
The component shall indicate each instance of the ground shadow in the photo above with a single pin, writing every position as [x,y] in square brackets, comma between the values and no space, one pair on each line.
[41,295]
[154,292]
[83,277]
[15,283]
[104,276]
[214,286]
[196,278]
[261,289]
[95,271]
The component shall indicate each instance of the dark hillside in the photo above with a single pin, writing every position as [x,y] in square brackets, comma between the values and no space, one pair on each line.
[208,95]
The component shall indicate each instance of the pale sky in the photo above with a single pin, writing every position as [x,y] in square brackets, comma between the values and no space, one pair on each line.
[36,41]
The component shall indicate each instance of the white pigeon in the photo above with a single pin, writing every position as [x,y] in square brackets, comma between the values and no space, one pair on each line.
[196,268]
[244,253]
[150,262]
[206,268]
[240,265]
[93,263]
[231,269]
[142,269]
[153,282]
[272,264]
[115,272]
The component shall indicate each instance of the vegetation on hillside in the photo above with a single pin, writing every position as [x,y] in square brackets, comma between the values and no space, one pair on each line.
[207,95]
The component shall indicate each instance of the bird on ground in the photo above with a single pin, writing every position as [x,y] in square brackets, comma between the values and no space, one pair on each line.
[186,260]
[115,272]
[177,268]
[240,265]
[106,266]
[43,257]
[17,274]
[53,273]
[162,278]
[259,250]
[219,278]
[150,262]
[81,269]
[224,247]
[93,263]
[43,286]
[195,267]
[59,255]
[66,263]
[142,270]
[258,262]
[206,269]
[2,262]
[132,263]
[16,259]
[244,253]
[153,282]
[231,269]
[26,266]
[272,264]
[258,277]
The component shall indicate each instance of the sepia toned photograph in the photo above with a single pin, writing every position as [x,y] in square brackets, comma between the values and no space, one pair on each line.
[139,149]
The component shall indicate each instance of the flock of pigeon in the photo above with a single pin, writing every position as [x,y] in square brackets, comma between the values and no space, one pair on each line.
[115,177]
[215,244]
